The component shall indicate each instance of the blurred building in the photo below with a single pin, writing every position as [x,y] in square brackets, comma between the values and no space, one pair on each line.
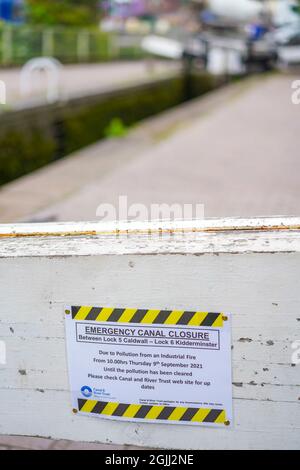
[243,11]
[127,8]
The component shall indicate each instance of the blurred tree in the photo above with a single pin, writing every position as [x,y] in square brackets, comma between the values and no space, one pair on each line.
[297,7]
[64,12]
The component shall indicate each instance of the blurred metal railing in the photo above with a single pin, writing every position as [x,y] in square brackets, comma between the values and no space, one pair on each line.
[20,43]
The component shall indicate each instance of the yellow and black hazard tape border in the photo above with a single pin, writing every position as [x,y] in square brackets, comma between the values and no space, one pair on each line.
[159,317]
[152,412]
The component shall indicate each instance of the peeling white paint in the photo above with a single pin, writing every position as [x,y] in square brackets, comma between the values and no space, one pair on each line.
[249,268]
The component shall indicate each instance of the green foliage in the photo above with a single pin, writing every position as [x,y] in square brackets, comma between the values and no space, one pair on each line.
[23,151]
[90,123]
[296,8]
[115,128]
[64,12]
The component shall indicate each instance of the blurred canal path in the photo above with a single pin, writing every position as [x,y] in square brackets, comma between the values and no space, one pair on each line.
[84,79]
[235,150]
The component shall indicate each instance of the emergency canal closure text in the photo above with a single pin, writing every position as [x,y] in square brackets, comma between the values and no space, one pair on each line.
[172,373]
[169,337]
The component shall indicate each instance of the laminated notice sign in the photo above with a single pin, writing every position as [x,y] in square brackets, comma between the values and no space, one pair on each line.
[163,366]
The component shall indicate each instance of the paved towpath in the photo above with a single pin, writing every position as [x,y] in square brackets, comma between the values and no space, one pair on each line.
[240,157]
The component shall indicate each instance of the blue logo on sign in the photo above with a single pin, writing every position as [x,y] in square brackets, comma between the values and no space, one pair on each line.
[86,391]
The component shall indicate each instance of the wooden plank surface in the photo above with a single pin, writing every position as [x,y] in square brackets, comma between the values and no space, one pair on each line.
[249,268]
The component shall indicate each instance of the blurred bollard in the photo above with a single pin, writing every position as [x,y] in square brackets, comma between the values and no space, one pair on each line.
[2,353]
[217,61]
[51,66]
[225,61]
[2,92]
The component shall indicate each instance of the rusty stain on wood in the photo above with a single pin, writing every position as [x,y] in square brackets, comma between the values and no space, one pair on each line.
[159,231]
[49,234]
